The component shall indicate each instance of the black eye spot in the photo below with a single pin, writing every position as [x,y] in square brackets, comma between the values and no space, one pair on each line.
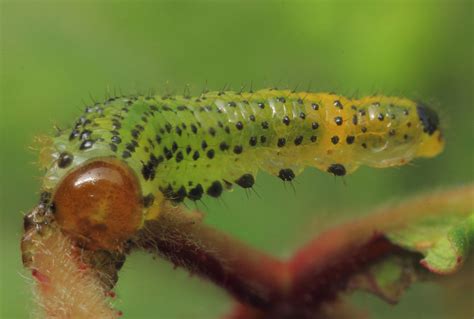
[65,159]
[286,174]
[215,190]
[245,181]
[338,120]
[337,169]
[428,118]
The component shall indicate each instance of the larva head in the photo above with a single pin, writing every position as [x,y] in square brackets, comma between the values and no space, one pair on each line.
[432,142]
[99,203]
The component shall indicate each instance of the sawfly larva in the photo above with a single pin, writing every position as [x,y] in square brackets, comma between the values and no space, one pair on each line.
[123,158]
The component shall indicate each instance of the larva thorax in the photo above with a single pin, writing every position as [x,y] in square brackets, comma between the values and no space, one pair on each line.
[179,147]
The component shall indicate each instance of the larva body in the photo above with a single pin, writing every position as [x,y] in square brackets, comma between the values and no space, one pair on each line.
[180,147]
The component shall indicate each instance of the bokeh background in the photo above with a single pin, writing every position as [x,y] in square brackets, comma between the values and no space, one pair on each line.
[55,55]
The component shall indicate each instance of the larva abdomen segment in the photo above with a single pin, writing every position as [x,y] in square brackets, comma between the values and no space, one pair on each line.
[189,147]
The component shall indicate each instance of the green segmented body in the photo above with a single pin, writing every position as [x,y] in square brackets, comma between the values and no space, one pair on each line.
[187,147]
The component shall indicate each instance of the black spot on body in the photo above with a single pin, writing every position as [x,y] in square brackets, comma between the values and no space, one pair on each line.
[86,134]
[126,154]
[314,125]
[86,145]
[313,138]
[174,147]
[210,154]
[281,142]
[337,169]
[245,181]
[179,157]
[116,139]
[381,117]
[286,174]
[298,140]
[263,139]
[252,118]
[286,120]
[223,146]
[253,141]
[350,139]
[265,125]
[302,115]
[215,190]
[315,106]
[338,120]
[212,131]
[196,192]
[239,125]
[335,139]
[195,155]
[148,200]
[338,104]
[65,159]
[238,149]
[355,119]
[75,133]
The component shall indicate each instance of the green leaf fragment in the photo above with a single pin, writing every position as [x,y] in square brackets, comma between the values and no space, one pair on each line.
[445,240]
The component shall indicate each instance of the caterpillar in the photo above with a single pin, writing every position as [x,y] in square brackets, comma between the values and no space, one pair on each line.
[126,156]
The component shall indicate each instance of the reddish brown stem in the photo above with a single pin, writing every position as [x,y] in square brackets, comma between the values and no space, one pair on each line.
[251,276]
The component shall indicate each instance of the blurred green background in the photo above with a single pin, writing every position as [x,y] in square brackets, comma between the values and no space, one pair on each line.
[55,55]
